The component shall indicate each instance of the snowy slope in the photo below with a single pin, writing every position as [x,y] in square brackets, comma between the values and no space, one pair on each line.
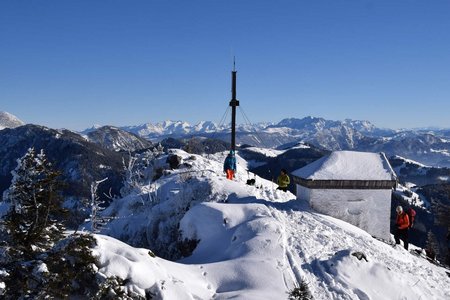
[269,152]
[255,243]
[147,274]
[420,168]
[8,120]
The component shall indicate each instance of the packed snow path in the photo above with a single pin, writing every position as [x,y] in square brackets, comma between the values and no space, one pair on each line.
[319,250]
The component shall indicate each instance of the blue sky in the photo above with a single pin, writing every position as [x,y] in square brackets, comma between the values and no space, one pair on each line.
[76,63]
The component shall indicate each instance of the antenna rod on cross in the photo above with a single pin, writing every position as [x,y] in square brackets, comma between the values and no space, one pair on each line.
[233,103]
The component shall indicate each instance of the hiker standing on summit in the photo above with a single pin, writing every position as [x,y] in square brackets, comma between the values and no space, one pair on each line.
[229,166]
[402,224]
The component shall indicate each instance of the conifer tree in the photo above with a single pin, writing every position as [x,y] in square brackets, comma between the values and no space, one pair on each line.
[36,260]
[33,222]
[72,269]
[432,245]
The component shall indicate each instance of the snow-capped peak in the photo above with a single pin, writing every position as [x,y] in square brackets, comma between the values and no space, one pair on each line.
[205,126]
[8,120]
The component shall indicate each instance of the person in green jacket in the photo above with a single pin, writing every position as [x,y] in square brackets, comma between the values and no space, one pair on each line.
[283,181]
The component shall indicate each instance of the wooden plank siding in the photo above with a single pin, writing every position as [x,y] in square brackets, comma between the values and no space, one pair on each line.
[346,184]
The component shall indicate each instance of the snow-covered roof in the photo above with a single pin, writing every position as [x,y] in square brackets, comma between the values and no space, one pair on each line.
[348,165]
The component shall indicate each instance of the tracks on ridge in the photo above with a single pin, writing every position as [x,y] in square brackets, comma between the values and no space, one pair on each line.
[292,274]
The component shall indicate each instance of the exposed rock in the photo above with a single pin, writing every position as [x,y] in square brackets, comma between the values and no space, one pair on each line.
[174,161]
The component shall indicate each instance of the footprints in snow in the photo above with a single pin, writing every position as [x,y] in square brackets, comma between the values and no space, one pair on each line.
[204,273]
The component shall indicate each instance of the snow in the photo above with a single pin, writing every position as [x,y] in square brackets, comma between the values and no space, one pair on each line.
[270,152]
[421,168]
[40,268]
[255,164]
[279,130]
[267,152]
[300,146]
[237,241]
[408,194]
[180,128]
[348,271]
[146,273]
[348,165]
[8,120]
[410,161]
[443,178]
[441,151]
[255,243]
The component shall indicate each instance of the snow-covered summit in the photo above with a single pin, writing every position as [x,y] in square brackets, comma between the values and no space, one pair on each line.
[253,242]
[348,165]
[8,120]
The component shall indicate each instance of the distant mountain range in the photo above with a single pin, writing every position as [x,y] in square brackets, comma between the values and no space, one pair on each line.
[428,146]
[176,129]
[292,126]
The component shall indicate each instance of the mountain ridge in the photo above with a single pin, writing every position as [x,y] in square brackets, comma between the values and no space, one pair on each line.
[425,146]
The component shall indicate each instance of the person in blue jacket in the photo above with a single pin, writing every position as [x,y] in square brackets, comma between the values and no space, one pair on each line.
[229,166]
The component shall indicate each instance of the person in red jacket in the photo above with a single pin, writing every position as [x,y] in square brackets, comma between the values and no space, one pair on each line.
[402,224]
